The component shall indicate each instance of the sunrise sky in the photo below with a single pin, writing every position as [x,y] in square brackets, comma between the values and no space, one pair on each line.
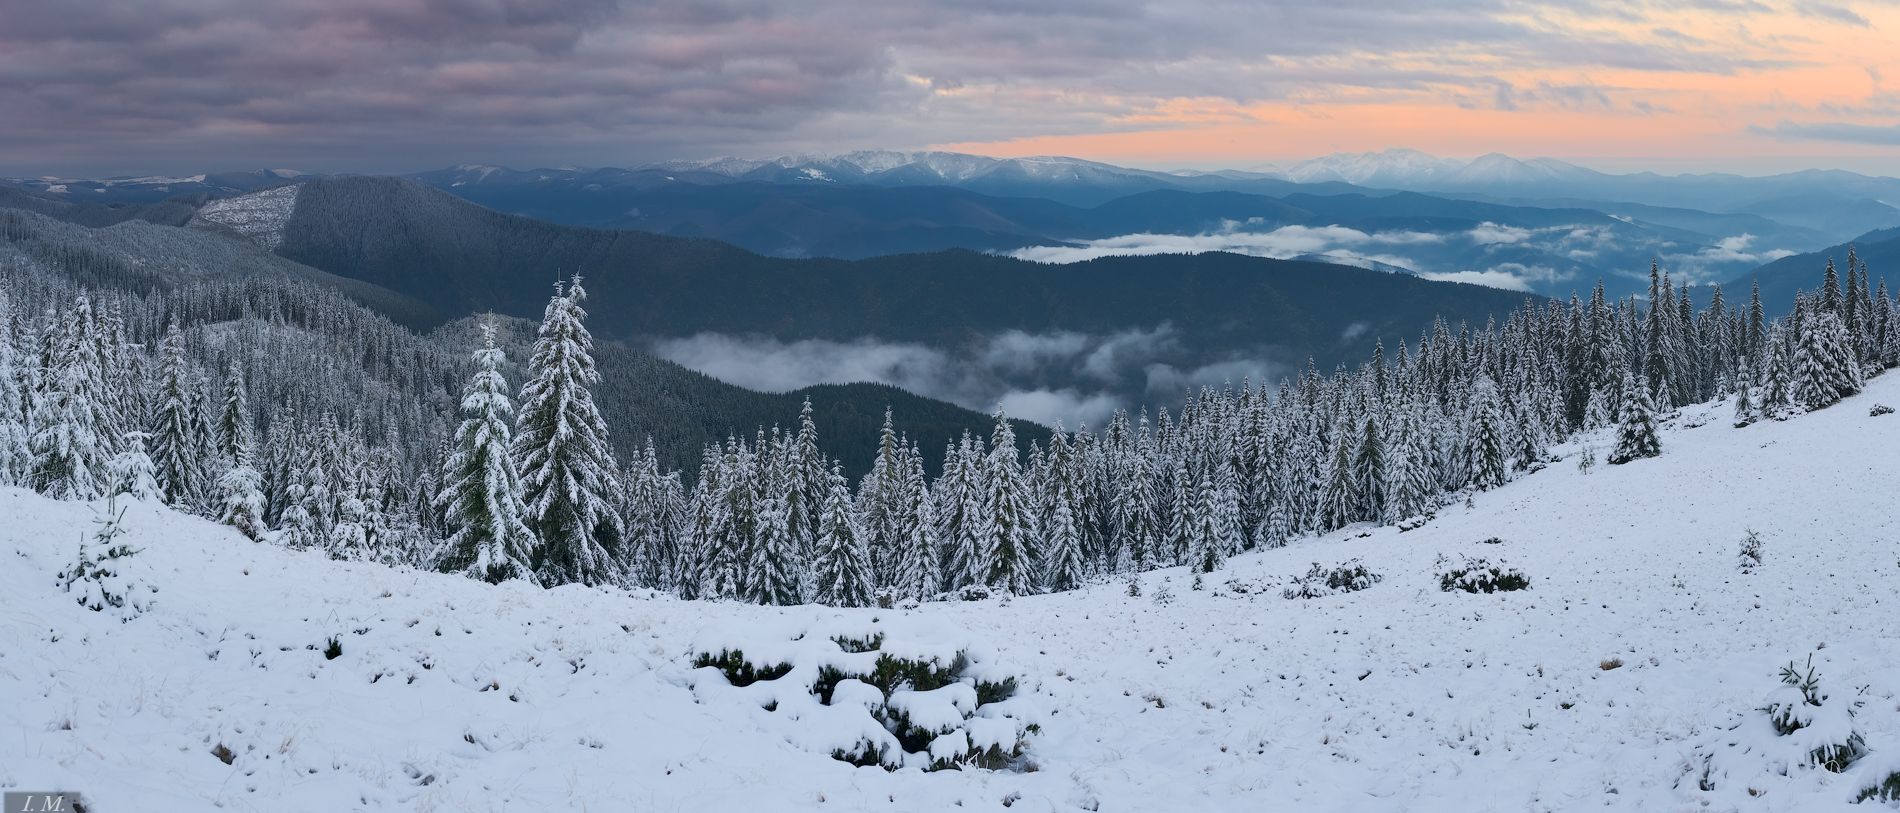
[381,85]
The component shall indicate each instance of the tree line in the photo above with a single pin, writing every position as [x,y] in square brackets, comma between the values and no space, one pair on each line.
[108,397]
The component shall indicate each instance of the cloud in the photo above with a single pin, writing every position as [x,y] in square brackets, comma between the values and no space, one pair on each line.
[1068,376]
[1065,406]
[1832,13]
[1336,243]
[1847,132]
[1491,279]
[1491,233]
[387,84]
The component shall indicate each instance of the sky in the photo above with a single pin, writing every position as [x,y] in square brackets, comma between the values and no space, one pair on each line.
[178,86]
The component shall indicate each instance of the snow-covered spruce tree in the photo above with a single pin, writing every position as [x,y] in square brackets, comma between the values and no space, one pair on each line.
[919,573]
[97,576]
[1339,500]
[1636,427]
[1011,546]
[69,457]
[1369,472]
[481,497]
[1063,564]
[560,448]
[1485,449]
[241,498]
[130,472]
[173,451]
[773,564]
[842,570]
[1206,545]
[805,491]
[1747,409]
[234,419]
[1826,370]
[240,487]
[1141,528]
[295,527]
[349,537]
[15,457]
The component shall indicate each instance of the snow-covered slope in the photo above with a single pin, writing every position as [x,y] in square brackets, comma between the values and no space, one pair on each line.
[453,695]
[259,216]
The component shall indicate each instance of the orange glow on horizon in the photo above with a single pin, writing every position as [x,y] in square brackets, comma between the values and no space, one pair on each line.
[1810,71]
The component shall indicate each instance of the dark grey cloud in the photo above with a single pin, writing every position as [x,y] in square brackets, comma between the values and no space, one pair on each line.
[387,84]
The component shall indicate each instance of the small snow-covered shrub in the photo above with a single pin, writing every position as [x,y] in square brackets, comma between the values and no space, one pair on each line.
[1349,577]
[97,575]
[873,697]
[1800,729]
[1479,575]
[739,670]
[1751,553]
[1879,410]
[1827,731]
[1882,784]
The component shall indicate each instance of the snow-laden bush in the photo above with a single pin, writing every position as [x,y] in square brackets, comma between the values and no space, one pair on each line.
[1879,410]
[1800,728]
[873,695]
[1751,553]
[1826,731]
[1478,575]
[1880,779]
[1349,577]
[98,576]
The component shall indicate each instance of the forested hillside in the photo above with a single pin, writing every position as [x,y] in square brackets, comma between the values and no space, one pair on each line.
[463,258]
[231,291]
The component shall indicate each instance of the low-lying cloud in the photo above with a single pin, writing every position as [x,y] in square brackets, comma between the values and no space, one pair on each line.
[1341,244]
[1056,376]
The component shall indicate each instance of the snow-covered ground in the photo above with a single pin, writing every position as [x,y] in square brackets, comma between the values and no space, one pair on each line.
[453,695]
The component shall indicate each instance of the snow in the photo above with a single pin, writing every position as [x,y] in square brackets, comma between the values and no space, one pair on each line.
[450,694]
[259,216]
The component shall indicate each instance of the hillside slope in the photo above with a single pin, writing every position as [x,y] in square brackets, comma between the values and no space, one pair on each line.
[1638,649]
[1783,278]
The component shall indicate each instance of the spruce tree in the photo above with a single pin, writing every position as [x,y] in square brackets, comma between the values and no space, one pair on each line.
[241,498]
[173,452]
[1826,370]
[130,472]
[1339,499]
[560,448]
[69,457]
[481,499]
[1010,549]
[772,560]
[919,574]
[15,457]
[234,420]
[1369,472]
[1485,445]
[1636,428]
[842,570]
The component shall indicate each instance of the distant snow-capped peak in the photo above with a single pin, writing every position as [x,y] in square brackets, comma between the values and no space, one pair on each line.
[1412,169]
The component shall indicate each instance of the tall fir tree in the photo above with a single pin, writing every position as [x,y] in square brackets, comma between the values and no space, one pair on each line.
[842,570]
[1010,549]
[173,451]
[560,448]
[481,499]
